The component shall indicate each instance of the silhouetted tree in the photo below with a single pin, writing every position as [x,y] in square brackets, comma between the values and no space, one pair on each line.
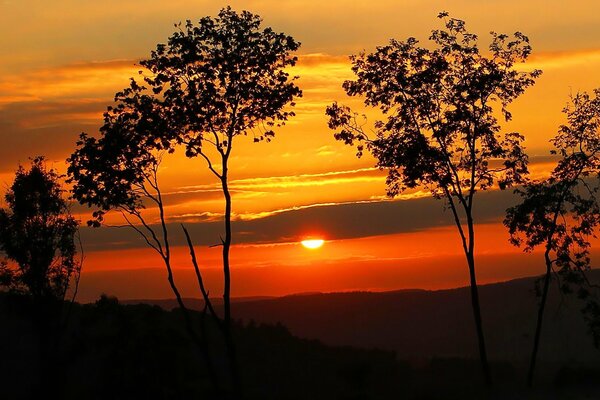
[440,131]
[211,82]
[38,235]
[562,212]
[119,172]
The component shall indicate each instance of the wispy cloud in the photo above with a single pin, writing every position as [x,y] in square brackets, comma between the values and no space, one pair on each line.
[75,81]
[302,180]
[562,59]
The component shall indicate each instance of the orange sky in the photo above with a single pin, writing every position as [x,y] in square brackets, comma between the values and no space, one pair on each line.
[65,59]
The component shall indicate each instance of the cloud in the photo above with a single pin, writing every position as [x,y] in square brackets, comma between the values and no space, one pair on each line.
[90,80]
[42,112]
[302,180]
[34,128]
[332,221]
[562,59]
[76,30]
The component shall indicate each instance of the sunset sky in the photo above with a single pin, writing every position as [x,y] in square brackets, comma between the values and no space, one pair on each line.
[64,60]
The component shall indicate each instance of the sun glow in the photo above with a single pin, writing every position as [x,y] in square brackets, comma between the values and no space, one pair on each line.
[312,243]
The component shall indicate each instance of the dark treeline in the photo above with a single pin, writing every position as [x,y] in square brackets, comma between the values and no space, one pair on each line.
[115,351]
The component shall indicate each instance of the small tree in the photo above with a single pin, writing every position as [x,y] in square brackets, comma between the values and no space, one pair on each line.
[440,132]
[561,212]
[212,82]
[119,172]
[37,235]
[38,238]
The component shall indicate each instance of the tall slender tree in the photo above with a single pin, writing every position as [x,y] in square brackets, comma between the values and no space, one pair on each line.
[560,213]
[440,130]
[212,82]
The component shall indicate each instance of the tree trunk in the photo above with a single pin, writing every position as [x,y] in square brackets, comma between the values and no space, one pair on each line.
[201,342]
[165,253]
[540,317]
[485,367]
[231,350]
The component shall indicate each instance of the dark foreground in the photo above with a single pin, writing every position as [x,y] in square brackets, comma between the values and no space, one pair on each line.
[113,351]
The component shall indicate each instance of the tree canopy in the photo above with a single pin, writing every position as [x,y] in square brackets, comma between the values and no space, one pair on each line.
[211,82]
[440,130]
[37,233]
[562,211]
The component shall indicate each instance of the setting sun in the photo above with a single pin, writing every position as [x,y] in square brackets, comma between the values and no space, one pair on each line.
[312,243]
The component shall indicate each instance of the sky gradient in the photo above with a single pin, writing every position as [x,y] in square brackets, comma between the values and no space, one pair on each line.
[64,60]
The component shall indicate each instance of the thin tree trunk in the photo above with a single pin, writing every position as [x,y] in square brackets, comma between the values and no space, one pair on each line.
[485,366]
[540,317]
[468,243]
[231,350]
[207,307]
[547,276]
[200,342]
[226,247]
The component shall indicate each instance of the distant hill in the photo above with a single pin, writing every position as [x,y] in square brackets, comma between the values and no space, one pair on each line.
[193,303]
[422,324]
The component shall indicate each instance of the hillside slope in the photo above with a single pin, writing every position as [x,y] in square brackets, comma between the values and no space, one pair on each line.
[420,324]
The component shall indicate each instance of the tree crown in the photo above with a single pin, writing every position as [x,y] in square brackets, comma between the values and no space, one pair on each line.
[223,77]
[562,212]
[563,209]
[440,130]
[37,233]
